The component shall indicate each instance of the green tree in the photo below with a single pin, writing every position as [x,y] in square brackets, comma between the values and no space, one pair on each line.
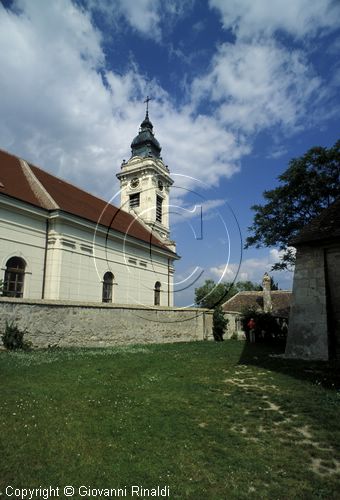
[310,184]
[247,286]
[211,294]
[220,323]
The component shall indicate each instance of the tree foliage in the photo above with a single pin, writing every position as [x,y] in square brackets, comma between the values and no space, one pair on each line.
[212,294]
[309,185]
[219,323]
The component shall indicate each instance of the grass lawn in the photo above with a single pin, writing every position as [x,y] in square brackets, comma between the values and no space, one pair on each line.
[209,420]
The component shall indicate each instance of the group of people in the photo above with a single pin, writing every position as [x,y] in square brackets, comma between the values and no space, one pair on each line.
[251,325]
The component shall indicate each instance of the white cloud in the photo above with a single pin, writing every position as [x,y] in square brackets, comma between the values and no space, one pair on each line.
[198,146]
[258,82]
[277,152]
[250,18]
[143,16]
[253,269]
[53,99]
[147,17]
[258,85]
[203,210]
[65,112]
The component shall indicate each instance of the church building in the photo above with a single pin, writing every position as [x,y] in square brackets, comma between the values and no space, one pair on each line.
[59,242]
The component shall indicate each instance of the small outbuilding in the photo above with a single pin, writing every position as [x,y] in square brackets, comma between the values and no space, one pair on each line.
[277,302]
[314,325]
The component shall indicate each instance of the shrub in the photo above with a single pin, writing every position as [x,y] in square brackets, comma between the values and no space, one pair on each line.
[219,323]
[13,338]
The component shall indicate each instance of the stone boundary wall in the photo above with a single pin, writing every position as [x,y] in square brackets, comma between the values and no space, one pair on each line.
[66,324]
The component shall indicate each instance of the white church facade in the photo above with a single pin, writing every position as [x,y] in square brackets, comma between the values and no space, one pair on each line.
[61,243]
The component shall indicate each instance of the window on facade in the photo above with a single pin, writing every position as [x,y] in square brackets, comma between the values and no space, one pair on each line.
[159,202]
[134,200]
[107,287]
[14,277]
[157,293]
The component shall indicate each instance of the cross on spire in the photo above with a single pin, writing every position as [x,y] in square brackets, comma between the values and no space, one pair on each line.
[147,104]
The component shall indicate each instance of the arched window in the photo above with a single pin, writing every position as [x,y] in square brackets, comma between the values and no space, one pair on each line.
[107,287]
[14,277]
[157,293]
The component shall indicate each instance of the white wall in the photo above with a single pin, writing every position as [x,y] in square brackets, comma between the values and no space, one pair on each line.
[78,256]
[22,234]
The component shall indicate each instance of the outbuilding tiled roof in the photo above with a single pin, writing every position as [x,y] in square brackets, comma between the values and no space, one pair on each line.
[24,181]
[243,300]
[324,227]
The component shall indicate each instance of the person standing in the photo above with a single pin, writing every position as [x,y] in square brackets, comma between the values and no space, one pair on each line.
[251,325]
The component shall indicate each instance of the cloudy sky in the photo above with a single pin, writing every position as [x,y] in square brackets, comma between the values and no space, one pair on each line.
[239,88]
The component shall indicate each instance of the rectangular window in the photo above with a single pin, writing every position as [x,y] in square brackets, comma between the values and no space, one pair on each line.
[134,200]
[159,202]
[13,284]
[107,292]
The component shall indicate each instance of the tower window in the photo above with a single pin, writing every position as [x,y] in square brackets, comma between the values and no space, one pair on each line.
[157,291]
[159,202]
[134,200]
[14,277]
[107,287]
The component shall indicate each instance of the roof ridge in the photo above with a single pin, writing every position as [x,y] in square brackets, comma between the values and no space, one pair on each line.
[42,188]
[135,218]
[31,164]
[38,189]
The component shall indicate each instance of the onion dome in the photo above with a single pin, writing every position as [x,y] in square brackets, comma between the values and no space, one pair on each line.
[145,143]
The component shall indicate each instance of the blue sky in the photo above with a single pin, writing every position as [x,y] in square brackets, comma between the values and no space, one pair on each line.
[239,86]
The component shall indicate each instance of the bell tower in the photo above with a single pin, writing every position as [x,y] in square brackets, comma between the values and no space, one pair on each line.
[145,181]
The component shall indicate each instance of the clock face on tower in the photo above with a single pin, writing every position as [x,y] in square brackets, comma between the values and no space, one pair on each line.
[134,183]
[160,185]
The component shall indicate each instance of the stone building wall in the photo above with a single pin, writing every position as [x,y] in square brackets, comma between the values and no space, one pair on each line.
[101,325]
[333,286]
[308,331]
[234,327]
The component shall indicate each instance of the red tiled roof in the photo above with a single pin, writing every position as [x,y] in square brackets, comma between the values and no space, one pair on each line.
[14,180]
[243,300]
[70,199]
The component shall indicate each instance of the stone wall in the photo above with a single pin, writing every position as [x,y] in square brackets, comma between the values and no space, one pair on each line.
[99,325]
[333,281]
[308,331]
[234,327]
